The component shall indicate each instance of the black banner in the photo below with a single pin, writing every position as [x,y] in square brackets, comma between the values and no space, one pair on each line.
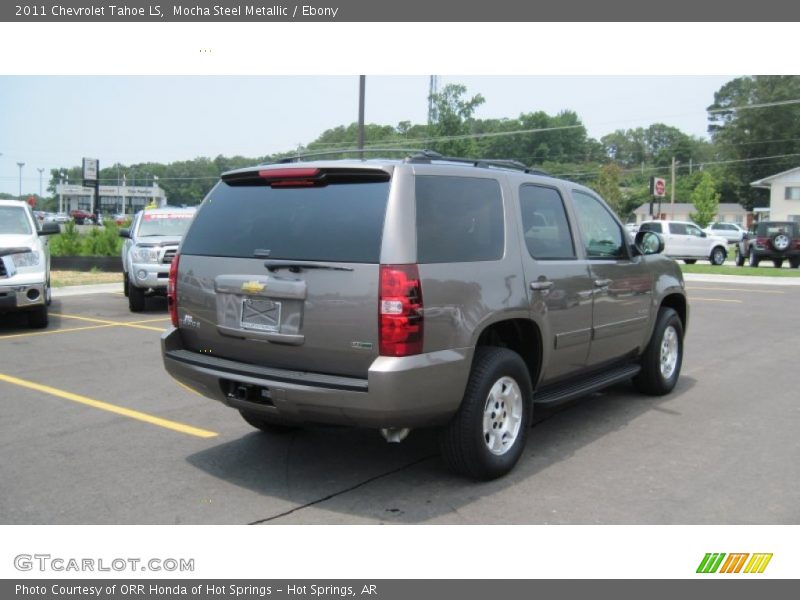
[406,11]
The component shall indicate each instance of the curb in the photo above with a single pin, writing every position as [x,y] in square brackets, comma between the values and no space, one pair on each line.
[741,279]
[82,290]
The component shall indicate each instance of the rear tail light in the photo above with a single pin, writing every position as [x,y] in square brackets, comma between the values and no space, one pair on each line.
[762,241]
[172,290]
[400,311]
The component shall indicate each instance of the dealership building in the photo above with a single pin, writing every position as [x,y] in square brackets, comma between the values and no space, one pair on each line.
[113,198]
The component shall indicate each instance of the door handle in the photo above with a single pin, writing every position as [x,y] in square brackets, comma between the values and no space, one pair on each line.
[541,286]
[601,283]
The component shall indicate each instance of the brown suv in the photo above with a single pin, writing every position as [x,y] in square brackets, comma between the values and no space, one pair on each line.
[427,292]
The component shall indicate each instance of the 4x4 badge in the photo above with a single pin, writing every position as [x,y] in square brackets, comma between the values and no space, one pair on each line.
[253,287]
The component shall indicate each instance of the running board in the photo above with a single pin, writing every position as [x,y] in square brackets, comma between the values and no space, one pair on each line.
[583,387]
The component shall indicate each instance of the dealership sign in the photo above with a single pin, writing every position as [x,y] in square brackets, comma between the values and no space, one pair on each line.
[658,187]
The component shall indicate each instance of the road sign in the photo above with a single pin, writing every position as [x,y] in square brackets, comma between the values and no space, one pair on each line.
[658,187]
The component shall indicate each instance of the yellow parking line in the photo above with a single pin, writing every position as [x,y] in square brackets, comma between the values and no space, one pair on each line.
[107,322]
[125,412]
[187,388]
[693,298]
[51,331]
[718,289]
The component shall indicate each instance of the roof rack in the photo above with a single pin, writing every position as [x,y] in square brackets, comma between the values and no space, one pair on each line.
[427,156]
[417,156]
[298,157]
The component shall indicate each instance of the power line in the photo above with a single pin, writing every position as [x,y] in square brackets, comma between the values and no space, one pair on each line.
[751,106]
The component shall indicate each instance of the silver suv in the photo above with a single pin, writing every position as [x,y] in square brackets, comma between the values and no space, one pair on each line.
[151,242]
[425,292]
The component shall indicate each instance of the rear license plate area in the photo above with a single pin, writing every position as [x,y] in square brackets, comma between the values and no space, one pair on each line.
[260,315]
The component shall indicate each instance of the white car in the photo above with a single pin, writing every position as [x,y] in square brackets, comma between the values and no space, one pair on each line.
[730,231]
[24,262]
[686,241]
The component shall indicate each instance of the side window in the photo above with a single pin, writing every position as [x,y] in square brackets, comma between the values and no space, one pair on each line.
[654,227]
[678,229]
[694,230]
[459,219]
[602,235]
[544,222]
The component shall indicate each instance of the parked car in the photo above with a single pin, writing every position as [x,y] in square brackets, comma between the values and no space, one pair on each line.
[82,217]
[685,241]
[24,262]
[58,218]
[122,218]
[150,244]
[732,232]
[431,292]
[777,241]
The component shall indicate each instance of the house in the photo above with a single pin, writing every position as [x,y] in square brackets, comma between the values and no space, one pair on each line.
[784,195]
[680,211]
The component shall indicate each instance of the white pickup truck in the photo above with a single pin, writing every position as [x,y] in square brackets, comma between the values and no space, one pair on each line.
[686,241]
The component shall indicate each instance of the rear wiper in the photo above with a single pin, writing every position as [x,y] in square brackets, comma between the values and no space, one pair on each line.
[296,267]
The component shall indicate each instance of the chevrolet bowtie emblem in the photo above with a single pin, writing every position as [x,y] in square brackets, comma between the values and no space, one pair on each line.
[253,287]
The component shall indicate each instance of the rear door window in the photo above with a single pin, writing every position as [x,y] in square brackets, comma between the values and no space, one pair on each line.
[544,222]
[459,219]
[341,222]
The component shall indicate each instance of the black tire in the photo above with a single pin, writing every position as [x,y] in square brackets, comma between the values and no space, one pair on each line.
[652,379]
[37,318]
[136,298]
[753,260]
[794,262]
[125,284]
[777,262]
[264,424]
[739,257]
[718,256]
[690,261]
[464,442]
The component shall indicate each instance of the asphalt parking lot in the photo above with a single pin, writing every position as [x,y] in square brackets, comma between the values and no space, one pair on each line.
[93,430]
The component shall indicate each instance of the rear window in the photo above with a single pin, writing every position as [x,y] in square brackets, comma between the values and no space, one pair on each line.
[340,222]
[459,219]
[769,229]
[655,227]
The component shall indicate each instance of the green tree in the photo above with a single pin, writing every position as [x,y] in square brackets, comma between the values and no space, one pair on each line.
[454,119]
[608,186]
[755,124]
[706,200]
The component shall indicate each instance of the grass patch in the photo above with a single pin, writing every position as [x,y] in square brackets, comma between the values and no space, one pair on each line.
[766,271]
[60,279]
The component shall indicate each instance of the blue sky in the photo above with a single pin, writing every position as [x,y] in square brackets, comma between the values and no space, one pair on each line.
[54,121]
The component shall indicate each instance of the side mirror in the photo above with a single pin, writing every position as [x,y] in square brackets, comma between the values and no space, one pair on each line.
[648,242]
[125,233]
[49,228]
[703,234]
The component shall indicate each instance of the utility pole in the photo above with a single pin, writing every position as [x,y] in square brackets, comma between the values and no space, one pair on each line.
[20,165]
[41,170]
[362,84]
[672,186]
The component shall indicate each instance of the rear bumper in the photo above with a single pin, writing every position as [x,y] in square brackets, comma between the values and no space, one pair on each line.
[762,252]
[414,391]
